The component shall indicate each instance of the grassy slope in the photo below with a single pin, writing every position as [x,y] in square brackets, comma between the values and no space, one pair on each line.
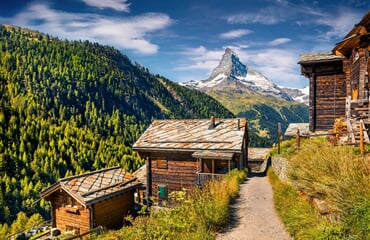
[339,177]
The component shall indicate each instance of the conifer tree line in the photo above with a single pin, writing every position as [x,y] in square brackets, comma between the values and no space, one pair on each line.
[67,107]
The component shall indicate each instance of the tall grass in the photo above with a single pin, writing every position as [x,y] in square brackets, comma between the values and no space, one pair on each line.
[340,178]
[196,215]
[300,218]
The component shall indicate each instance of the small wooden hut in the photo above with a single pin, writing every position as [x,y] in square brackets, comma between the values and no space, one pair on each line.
[183,153]
[100,198]
[339,81]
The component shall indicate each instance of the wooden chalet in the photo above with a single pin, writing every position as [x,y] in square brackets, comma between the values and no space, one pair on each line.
[100,198]
[185,153]
[339,81]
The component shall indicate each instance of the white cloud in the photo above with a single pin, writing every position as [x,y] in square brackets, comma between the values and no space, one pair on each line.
[118,5]
[247,18]
[278,41]
[270,15]
[200,59]
[339,23]
[235,33]
[124,32]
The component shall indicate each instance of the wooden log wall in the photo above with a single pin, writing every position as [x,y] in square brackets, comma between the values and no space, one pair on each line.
[67,216]
[358,69]
[329,85]
[179,174]
[111,212]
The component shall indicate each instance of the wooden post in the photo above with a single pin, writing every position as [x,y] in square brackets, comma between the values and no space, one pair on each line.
[298,140]
[362,148]
[279,135]
[229,166]
[148,180]
[313,90]
[213,169]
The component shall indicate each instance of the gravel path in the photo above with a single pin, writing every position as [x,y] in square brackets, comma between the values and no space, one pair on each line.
[253,215]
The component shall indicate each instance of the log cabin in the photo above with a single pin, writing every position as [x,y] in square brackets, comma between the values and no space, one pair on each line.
[185,153]
[339,80]
[100,198]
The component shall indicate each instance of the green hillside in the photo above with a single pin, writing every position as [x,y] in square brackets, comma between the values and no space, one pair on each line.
[71,106]
[262,113]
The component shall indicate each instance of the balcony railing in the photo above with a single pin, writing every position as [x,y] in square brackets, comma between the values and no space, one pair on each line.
[202,178]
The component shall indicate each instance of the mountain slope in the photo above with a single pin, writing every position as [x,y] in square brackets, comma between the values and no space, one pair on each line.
[248,93]
[70,106]
[262,113]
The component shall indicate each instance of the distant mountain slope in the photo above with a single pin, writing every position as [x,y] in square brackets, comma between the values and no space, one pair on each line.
[248,93]
[71,106]
[262,113]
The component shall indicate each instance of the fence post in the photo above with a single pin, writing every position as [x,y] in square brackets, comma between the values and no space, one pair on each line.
[362,148]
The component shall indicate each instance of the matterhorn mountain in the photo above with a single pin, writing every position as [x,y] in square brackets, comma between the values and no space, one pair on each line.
[249,94]
[232,73]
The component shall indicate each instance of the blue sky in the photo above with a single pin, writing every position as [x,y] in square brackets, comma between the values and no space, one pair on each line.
[185,39]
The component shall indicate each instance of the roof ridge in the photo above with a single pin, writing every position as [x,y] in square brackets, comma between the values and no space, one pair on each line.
[122,183]
[88,173]
[194,119]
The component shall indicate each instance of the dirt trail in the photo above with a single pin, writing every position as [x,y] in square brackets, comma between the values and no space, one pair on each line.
[253,215]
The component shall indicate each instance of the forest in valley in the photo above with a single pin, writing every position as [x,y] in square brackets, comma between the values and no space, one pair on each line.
[67,107]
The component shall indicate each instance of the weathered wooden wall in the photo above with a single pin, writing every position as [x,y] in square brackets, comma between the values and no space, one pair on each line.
[111,212]
[327,95]
[179,174]
[66,215]
[358,72]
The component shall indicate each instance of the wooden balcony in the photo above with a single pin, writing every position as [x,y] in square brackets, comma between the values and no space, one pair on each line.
[203,178]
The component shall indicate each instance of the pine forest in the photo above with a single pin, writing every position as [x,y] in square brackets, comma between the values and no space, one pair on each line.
[67,107]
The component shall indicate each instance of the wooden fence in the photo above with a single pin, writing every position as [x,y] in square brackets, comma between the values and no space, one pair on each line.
[361,132]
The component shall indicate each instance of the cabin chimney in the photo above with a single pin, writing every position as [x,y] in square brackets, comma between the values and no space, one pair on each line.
[212,123]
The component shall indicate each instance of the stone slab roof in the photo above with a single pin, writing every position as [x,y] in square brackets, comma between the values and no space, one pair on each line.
[292,129]
[318,57]
[92,187]
[225,135]
[258,154]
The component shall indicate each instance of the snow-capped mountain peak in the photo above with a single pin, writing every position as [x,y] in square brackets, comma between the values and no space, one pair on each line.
[229,65]
[300,95]
[231,72]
